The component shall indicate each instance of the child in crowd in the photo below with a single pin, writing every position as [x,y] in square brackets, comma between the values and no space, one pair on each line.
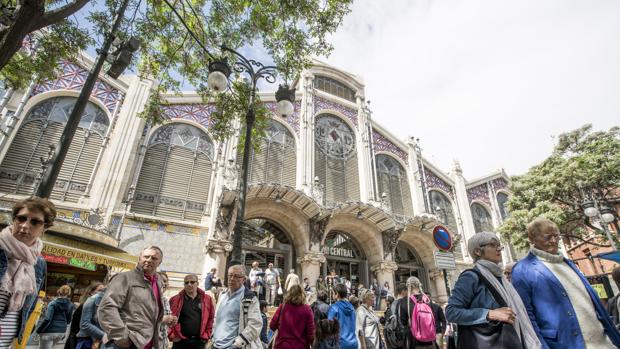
[263,313]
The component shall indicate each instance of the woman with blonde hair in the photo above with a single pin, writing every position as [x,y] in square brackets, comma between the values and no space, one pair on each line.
[57,317]
[367,322]
[294,321]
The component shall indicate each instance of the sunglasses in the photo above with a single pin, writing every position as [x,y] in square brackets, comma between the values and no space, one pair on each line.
[35,222]
[190,282]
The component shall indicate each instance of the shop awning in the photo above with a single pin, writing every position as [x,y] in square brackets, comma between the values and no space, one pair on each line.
[83,255]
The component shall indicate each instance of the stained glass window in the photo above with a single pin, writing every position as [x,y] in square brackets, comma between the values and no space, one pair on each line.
[482,218]
[333,137]
[442,208]
[502,200]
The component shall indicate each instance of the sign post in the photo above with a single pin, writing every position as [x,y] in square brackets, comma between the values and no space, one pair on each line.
[444,259]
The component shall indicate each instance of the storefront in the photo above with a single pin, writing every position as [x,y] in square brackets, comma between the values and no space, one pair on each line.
[265,242]
[345,258]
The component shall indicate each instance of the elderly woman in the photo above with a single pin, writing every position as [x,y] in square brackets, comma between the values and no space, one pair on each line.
[22,269]
[485,305]
[367,322]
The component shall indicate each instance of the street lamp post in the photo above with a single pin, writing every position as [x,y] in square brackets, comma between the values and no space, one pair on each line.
[218,80]
[592,208]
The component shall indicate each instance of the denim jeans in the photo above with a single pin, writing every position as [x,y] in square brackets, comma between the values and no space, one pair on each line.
[48,340]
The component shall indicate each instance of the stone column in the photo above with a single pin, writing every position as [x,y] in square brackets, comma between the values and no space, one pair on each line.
[384,272]
[414,176]
[464,211]
[305,158]
[216,253]
[438,286]
[311,265]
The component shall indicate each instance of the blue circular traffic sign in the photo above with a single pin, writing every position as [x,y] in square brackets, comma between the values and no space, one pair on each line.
[442,238]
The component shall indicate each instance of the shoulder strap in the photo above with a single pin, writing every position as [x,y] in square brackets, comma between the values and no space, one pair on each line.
[498,298]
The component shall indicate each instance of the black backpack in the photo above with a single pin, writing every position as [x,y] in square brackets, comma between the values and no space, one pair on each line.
[394,332]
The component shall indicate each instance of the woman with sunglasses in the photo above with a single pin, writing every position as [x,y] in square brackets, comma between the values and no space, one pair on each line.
[485,305]
[22,269]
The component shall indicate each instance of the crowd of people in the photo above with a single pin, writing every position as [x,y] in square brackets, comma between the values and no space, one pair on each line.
[542,301]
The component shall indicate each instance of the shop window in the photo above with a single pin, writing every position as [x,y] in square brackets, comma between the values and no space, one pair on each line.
[176,173]
[42,127]
[393,182]
[335,160]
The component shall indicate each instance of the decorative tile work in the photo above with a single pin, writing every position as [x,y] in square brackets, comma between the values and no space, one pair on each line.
[293,121]
[433,181]
[322,104]
[200,113]
[499,183]
[72,77]
[383,144]
[479,192]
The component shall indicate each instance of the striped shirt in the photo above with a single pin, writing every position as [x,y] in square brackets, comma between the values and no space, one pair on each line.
[9,323]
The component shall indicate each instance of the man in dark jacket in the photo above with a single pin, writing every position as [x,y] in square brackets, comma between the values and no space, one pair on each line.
[195,311]
[612,303]
[343,311]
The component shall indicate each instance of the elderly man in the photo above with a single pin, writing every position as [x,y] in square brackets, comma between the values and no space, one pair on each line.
[272,281]
[195,311]
[238,320]
[564,309]
[508,270]
[131,308]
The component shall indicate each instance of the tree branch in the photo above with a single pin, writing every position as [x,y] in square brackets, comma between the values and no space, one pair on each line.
[57,15]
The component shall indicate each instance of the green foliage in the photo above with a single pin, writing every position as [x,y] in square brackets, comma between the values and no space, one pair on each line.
[583,163]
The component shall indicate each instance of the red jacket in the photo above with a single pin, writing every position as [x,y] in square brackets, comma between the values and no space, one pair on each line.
[206,322]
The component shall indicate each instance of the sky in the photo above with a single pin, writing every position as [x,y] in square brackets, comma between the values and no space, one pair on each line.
[489,83]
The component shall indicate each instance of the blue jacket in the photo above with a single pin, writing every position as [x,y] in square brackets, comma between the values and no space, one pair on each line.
[40,270]
[470,301]
[344,312]
[550,309]
[89,323]
[57,316]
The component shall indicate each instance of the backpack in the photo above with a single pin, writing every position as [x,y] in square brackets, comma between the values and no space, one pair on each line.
[394,332]
[422,320]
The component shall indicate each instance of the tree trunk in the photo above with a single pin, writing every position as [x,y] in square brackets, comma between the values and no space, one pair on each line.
[26,16]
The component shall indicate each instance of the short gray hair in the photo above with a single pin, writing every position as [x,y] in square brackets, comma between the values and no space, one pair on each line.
[240,268]
[478,240]
[153,248]
[413,283]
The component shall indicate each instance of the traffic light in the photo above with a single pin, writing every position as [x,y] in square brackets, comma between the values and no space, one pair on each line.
[121,57]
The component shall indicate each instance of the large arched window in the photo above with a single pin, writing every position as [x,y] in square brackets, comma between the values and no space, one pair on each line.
[502,200]
[393,182]
[276,160]
[441,206]
[335,159]
[42,127]
[176,173]
[482,218]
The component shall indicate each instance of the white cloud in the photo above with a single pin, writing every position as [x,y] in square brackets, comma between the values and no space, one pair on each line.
[486,82]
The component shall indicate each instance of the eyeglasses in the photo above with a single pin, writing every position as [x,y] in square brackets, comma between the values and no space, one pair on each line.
[190,282]
[35,222]
[235,276]
[549,237]
[493,245]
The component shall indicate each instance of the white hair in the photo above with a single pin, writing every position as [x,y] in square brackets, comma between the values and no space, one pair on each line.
[238,267]
[478,240]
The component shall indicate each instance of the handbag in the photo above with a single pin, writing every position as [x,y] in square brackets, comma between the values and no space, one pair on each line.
[280,292]
[272,341]
[493,335]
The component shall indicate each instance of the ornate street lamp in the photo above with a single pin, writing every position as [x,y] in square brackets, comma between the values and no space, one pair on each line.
[592,208]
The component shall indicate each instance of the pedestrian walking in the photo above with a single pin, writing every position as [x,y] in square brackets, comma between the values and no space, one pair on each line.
[320,306]
[327,335]
[57,317]
[209,279]
[376,289]
[195,312]
[76,318]
[564,309]
[237,317]
[344,312]
[131,309]
[485,306]
[613,303]
[367,323]
[22,269]
[440,322]
[320,284]
[264,337]
[272,282]
[416,311]
[294,321]
[291,280]
[91,334]
[254,278]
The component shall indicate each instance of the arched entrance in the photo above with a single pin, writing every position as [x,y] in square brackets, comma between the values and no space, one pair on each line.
[344,256]
[266,242]
[409,264]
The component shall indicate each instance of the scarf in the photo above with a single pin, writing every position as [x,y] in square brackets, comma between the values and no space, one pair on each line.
[549,257]
[152,279]
[19,279]
[492,271]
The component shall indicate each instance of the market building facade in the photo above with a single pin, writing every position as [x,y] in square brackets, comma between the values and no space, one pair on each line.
[329,189]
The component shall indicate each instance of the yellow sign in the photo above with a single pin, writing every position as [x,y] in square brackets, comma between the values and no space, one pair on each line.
[600,289]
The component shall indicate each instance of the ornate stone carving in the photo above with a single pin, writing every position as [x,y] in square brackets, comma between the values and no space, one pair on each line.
[312,257]
[390,240]
[384,267]
[218,246]
[225,221]
[317,228]
[434,274]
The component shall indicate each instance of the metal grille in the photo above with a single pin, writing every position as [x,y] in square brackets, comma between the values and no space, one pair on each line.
[43,127]
[393,182]
[276,160]
[175,175]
